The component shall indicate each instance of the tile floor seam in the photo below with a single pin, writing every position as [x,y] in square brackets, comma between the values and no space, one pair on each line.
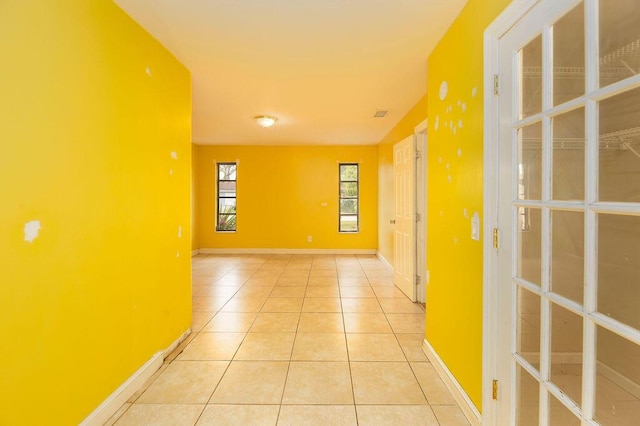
[346,274]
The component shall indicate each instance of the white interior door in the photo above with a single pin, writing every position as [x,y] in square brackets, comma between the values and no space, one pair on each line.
[404,236]
[568,263]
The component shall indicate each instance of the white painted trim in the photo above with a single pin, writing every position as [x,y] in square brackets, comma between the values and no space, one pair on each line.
[499,27]
[384,261]
[555,359]
[422,126]
[134,383]
[195,252]
[466,405]
[421,137]
[283,251]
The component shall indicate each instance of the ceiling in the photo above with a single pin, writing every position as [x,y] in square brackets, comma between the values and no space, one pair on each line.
[323,67]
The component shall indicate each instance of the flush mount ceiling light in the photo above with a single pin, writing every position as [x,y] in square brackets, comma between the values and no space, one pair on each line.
[265,120]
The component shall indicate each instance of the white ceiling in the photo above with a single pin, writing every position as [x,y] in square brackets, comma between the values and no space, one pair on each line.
[323,67]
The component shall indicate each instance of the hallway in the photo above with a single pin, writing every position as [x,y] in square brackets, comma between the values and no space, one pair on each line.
[296,339]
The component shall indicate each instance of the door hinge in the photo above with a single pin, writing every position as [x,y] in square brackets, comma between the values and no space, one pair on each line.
[496,238]
[418,217]
[494,390]
[418,280]
[418,154]
[496,85]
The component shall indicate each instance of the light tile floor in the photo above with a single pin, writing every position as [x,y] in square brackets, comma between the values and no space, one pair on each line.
[296,340]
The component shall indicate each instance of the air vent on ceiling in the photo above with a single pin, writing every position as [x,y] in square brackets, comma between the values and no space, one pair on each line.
[380,113]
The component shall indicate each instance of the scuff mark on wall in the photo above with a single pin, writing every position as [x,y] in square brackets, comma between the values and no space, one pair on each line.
[148,71]
[179,231]
[32,230]
[174,155]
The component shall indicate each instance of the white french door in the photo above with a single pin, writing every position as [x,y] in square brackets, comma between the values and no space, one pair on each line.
[404,231]
[568,211]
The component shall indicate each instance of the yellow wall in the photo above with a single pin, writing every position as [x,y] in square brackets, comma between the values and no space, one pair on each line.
[404,128]
[281,190]
[87,137]
[455,157]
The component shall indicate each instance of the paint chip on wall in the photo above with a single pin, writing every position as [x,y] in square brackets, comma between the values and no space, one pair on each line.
[32,230]
[174,155]
[179,231]
[474,92]
[148,71]
[444,89]
[459,152]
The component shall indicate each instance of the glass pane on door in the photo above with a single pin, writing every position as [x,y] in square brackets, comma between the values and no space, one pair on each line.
[619,40]
[529,246]
[528,334]
[530,162]
[569,156]
[560,415]
[531,78]
[567,254]
[528,398]
[566,352]
[568,56]
[617,380]
[619,153]
[619,268]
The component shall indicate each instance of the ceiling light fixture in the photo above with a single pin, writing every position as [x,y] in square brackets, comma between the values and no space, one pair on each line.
[265,120]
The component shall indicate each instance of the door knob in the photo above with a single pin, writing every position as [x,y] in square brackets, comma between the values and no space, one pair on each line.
[392,221]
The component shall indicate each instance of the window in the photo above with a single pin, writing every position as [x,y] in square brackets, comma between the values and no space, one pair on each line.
[348,197]
[226,197]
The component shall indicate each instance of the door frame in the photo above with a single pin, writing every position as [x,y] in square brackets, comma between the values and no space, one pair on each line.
[492,35]
[421,137]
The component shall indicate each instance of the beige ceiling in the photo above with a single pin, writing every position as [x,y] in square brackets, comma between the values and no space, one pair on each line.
[323,67]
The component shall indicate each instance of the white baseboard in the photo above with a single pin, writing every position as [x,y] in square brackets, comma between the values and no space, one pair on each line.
[195,252]
[109,406]
[466,405]
[384,260]
[283,251]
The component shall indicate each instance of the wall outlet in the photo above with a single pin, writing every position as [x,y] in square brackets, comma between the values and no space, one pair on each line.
[309,239]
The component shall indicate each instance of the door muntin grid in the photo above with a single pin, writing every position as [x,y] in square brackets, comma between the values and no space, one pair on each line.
[562,190]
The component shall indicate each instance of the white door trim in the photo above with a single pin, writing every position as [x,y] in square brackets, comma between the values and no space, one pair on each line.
[500,26]
[421,137]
